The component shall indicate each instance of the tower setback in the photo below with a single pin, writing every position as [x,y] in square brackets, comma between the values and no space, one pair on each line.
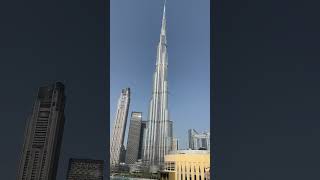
[159,127]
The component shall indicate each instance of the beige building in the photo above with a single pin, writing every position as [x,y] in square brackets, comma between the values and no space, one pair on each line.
[187,165]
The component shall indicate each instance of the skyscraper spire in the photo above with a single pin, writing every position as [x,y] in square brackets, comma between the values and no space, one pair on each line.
[163,27]
[159,127]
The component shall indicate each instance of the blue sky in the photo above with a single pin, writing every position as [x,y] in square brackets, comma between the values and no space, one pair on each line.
[134,32]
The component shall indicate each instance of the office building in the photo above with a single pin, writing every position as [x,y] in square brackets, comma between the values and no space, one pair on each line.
[85,169]
[123,154]
[43,135]
[142,137]
[119,127]
[134,138]
[198,140]
[175,144]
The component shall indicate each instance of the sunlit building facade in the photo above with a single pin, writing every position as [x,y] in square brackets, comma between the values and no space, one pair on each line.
[118,132]
[159,127]
[187,165]
[198,140]
[174,144]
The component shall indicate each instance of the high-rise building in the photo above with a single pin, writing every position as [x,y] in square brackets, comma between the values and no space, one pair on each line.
[134,138]
[191,133]
[122,154]
[85,169]
[43,135]
[198,140]
[119,128]
[175,144]
[142,136]
[159,128]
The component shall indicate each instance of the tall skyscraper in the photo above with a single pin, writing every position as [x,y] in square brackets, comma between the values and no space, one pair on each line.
[43,135]
[198,140]
[85,169]
[159,128]
[142,137]
[134,138]
[119,128]
[175,144]
[122,154]
[191,133]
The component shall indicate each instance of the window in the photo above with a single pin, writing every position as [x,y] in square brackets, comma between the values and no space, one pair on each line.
[45,104]
[44,114]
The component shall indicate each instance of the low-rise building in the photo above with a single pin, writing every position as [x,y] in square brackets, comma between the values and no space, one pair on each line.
[85,169]
[186,165]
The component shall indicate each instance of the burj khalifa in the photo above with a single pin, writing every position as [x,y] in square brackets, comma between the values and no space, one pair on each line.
[158,134]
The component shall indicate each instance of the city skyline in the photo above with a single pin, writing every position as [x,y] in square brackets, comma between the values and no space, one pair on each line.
[264,72]
[141,84]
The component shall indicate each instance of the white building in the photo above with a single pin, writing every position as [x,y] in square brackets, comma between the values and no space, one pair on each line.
[159,127]
[116,144]
[198,140]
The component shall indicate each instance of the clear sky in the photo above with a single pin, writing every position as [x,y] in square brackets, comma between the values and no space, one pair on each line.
[134,32]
